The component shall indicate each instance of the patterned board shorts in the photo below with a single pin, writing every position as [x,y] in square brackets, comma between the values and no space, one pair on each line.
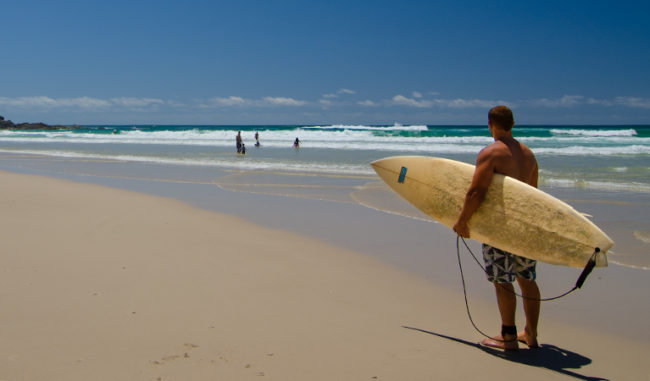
[503,267]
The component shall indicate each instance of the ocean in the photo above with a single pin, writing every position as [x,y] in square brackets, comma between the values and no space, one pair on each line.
[603,169]
[593,157]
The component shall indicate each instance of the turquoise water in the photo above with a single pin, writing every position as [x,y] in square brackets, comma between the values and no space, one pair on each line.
[588,157]
[600,170]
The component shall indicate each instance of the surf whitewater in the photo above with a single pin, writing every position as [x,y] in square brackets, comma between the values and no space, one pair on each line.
[601,157]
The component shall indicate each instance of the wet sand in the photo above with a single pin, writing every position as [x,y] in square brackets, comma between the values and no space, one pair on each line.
[101,283]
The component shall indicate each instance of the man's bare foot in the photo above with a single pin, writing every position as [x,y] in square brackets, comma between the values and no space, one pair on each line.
[509,344]
[523,337]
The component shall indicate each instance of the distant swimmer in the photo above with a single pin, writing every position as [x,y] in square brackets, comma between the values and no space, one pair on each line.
[243,149]
[296,143]
[239,141]
[257,139]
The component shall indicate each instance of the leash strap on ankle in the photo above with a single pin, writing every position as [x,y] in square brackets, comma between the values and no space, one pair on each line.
[508,330]
[581,280]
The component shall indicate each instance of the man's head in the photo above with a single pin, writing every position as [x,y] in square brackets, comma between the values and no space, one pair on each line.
[501,117]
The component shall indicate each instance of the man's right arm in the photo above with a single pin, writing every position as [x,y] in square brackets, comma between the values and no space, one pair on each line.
[477,190]
[534,171]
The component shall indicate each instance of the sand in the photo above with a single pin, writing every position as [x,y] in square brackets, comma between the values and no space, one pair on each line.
[104,284]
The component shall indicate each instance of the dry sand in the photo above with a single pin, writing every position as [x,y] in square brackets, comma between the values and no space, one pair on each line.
[105,284]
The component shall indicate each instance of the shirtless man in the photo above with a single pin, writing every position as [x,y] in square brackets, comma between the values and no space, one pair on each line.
[511,158]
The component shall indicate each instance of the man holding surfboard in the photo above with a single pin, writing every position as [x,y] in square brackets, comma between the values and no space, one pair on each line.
[509,157]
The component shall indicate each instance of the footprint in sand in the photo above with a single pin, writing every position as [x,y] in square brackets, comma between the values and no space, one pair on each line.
[170,358]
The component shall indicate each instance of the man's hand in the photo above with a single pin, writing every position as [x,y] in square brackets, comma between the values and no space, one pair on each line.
[461,228]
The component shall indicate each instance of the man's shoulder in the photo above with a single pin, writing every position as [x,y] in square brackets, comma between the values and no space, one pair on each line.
[494,149]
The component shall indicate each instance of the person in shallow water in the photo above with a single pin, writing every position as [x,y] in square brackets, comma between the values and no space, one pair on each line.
[296,143]
[238,140]
[511,158]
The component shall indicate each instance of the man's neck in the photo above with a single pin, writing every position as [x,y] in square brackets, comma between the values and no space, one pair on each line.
[500,134]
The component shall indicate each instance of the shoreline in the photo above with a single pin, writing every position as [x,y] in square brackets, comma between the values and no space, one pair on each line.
[316,298]
[621,214]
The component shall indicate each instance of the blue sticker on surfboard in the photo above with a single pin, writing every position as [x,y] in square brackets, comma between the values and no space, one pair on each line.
[402,175]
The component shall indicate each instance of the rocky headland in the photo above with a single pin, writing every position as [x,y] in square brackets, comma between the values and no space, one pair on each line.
[8,124]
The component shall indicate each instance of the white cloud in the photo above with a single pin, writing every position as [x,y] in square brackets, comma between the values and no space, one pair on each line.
[404,101]
[224,102]
[79,102]
[43,101]
[401,100]
[634,102]
[136,102]
[367,103]
[341,91]
[235,101]
[416,94]
[471,103]
[565,101]
[577,100]
[282,101]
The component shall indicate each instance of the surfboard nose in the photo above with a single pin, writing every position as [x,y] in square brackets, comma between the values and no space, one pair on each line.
[393,163]
[386,168]
[378,163]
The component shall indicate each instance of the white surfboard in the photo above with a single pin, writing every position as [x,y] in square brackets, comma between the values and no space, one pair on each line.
[513,216]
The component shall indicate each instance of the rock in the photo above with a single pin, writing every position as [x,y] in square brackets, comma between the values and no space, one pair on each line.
[6,124]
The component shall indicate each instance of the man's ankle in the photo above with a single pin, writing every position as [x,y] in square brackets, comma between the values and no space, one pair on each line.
[508,331]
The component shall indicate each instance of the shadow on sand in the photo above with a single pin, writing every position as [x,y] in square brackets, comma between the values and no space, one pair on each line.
[546,356]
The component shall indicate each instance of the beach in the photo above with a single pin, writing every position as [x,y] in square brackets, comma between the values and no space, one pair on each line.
[130,271]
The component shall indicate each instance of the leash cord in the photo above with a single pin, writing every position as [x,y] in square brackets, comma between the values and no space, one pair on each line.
[590,265]
[469,314]
[578,284]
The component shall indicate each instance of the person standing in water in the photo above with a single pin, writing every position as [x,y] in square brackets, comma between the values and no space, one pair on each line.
[238,140]
[509,157]
[296,143]
[257,139]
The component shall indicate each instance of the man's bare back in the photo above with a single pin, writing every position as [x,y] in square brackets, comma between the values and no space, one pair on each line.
[511,158]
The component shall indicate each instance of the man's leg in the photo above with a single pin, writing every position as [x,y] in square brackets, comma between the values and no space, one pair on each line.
[507,303]
[530,290]
[498,268]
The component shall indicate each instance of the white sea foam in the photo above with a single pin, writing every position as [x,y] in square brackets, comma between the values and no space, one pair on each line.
[639,267]
[396,127]
[595,185]
[642,236]
[237,162]
[594,132]
[593,151]
[342,137]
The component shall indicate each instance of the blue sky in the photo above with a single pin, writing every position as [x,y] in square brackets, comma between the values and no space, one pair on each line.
[317,62]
